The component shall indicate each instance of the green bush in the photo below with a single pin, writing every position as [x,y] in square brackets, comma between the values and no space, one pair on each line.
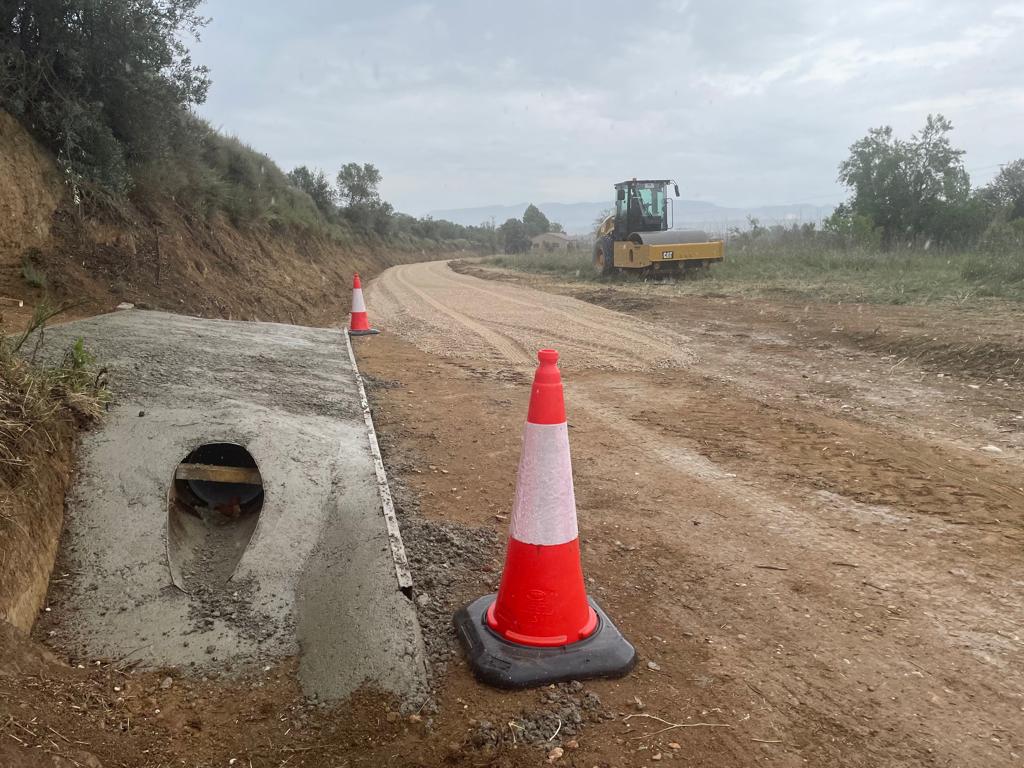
[103,83]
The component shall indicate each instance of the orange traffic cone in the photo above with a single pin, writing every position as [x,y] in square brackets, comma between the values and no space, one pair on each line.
[541,628]
[359,324]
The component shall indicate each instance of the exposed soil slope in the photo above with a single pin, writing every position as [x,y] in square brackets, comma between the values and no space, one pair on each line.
[31,515]
[163,256]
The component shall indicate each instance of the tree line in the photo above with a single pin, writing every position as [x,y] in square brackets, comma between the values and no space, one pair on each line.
[917,192]
[354,199]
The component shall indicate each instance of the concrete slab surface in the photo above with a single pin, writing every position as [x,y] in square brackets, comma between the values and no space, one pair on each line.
[317,576]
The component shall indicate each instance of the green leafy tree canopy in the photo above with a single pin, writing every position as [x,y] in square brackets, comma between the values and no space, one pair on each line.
[357,184]
[907,188]
[102,83]
[514,236]
[535,221]
[1006,190]
[363,208]
[316,185]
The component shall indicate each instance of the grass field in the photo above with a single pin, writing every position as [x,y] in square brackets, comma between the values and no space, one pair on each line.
[908,276]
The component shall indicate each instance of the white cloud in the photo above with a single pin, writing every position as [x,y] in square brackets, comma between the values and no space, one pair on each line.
[487,103]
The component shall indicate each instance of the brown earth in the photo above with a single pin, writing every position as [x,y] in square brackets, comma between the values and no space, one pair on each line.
[31,516]
[813,539]
[826,535]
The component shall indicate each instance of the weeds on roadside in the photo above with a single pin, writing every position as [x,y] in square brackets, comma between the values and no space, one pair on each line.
[809,264]
[36,400]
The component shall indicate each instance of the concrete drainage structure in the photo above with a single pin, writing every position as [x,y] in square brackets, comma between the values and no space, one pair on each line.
[213,507]
[227,510]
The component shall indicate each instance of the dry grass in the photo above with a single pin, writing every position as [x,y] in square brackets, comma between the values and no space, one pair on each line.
[37,402]
[816,267]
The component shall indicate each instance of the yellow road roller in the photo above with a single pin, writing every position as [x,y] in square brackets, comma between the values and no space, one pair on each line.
[638,236]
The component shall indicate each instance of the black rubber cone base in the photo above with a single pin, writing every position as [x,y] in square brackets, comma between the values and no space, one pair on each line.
[368,332]
[497,662]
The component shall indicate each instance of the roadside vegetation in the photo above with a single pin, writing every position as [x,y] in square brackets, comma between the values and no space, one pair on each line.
[109,88]
[913,231]
[777,261]
[39,402]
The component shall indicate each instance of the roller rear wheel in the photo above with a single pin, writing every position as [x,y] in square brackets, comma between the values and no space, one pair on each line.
[603,259]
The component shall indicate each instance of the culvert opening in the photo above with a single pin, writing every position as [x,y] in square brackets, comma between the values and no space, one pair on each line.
[214,505]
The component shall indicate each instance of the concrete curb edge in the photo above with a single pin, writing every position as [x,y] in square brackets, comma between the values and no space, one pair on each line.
[387,503]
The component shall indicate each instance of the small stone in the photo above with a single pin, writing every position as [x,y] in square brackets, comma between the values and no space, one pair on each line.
[555,754]
[422,599]
[572,744]
[991,449]
[166,683]
[674,745]
[653,665]
[638,703]
[142,413]
[656,756]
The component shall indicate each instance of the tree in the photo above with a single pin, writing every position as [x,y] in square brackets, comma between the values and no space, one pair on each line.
[907,189]
[363,208]
[554,226]
[535,221]
[513,236]
[104,85]
[1006,190]
[357,184]
[316,185]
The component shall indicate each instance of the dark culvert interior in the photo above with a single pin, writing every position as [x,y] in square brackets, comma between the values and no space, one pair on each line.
[213,508]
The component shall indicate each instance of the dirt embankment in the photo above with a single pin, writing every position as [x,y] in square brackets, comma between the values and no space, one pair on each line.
[30,523]
[30,191]
[164,256]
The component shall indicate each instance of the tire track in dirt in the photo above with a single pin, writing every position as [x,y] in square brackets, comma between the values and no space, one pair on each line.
[502,344]
[587,336]
[866,597]
[647,340]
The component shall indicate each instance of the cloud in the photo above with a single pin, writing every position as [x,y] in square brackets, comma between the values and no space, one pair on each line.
[465,103]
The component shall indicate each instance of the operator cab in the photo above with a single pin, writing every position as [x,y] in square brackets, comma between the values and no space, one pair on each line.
[642,206]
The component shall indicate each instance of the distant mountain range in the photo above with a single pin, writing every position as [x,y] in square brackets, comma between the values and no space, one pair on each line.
[578,218]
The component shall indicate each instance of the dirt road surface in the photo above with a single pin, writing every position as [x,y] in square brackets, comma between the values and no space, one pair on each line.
[815,544]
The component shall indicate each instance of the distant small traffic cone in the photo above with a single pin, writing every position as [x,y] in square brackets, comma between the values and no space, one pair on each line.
[541,628]
[359,324]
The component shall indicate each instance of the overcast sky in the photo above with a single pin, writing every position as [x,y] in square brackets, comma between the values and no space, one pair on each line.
[467,102]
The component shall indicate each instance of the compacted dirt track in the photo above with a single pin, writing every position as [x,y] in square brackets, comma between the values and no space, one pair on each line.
[818,549]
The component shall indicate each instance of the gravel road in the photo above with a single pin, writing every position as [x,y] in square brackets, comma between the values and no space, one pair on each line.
[838,577]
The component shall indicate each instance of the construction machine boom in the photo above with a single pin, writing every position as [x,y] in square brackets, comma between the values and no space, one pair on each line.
[638,235]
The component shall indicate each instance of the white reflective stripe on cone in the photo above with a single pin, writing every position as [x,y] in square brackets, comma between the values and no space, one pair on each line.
[358,305]
[544,510]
